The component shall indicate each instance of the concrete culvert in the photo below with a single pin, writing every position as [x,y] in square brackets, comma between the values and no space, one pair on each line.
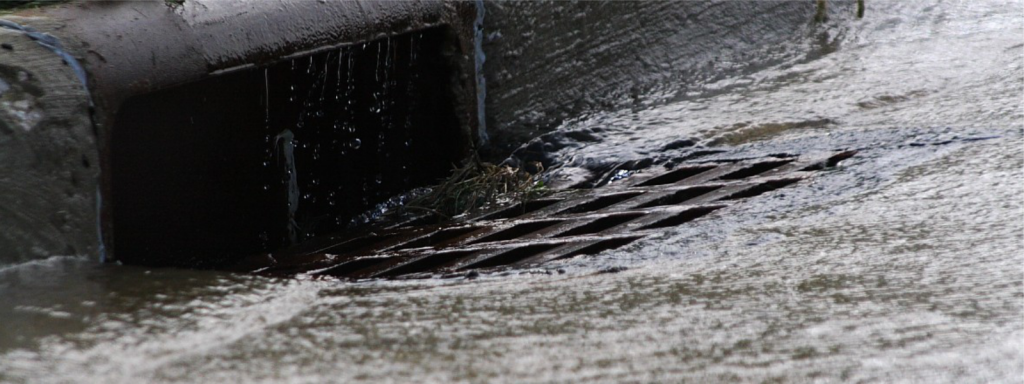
[207,129]
[224,128]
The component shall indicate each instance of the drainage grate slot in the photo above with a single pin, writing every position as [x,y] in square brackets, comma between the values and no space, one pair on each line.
[358,243]
[677,175]
[600,202]
[755,169]
[517,231]
[512,256]
[601,246]
[351,267]
[684,217]
[428,263]
[681,196]
[534,234]
[208,168]
[418,221]
[601,224]
[520,209]
[761,188]
[437,237]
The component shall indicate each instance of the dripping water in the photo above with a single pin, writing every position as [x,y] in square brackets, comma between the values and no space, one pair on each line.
[285,146]
[481,82]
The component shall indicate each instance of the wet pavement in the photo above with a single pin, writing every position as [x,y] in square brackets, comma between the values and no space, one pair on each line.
[904,264]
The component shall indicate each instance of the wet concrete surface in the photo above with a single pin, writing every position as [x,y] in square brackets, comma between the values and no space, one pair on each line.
[550,61]
[48,161]
[901,265]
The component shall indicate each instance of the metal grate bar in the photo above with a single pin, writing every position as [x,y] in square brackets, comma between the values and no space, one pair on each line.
[568,224]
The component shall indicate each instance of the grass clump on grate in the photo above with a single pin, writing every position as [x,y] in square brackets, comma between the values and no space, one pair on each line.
[478,185]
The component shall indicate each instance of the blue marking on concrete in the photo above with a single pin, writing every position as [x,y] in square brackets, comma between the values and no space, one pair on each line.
[52,43]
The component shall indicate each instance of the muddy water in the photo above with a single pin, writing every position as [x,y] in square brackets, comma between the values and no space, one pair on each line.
[902,265]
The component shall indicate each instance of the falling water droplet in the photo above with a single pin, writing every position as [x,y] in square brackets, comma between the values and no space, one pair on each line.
[266,100]
[355,143]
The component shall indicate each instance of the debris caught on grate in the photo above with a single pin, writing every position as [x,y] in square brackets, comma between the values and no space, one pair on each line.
[567,224]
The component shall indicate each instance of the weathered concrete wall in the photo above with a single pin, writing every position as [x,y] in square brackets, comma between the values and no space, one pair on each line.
[552,60]
[48,159]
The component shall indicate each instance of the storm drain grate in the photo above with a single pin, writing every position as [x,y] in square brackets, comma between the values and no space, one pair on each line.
[567,224]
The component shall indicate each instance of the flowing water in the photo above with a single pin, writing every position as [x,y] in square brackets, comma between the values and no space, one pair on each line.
[902,265]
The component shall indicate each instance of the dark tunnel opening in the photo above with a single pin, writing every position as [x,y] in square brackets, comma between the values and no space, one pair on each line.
[256,160]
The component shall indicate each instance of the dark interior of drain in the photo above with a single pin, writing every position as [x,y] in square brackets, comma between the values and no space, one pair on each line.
[255,160]
[681,196]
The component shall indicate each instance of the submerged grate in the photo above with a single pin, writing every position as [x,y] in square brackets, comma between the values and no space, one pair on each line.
[565,225]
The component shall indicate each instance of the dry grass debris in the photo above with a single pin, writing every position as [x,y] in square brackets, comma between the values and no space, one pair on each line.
[478,185]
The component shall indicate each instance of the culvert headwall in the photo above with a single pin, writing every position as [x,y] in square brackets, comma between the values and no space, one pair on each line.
[189,101]
[227,126]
